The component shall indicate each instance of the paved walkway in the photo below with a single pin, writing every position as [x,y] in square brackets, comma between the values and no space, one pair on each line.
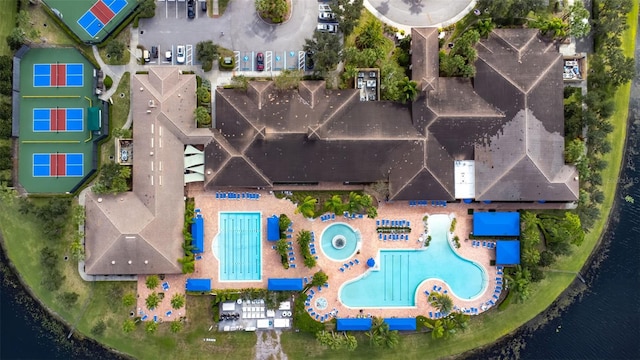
[405,14]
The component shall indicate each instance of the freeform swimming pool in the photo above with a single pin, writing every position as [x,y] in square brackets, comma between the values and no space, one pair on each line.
[400,273]
[238,246]
[339,241]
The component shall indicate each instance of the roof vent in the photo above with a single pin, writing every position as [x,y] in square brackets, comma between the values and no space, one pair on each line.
[130,262]
[113,262]
[146,262]
[141,88]
[152,103]
[151,153]
[99,200]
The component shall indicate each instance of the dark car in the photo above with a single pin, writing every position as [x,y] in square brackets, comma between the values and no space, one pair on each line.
[154,52]
[309,60]
[190,11]
[203,6]
[260,62]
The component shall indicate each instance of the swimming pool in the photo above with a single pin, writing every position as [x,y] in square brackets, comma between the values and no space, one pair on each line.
[401,272]
[339,241]
[238,246]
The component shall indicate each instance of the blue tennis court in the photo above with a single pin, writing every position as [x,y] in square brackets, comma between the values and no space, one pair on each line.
[69,119]
[100,14]
[58,75]
[58,165]
[239,246]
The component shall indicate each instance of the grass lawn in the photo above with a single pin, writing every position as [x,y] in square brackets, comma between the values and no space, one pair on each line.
[119,114]
[8,11]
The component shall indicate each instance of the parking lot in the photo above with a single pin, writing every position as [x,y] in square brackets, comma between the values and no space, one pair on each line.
[273,60]
[172,60]
[177,9]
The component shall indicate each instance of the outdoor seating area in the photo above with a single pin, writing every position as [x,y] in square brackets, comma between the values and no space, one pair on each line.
[484,244]
[237,196]
[328,217]
[348,216]
[252,315]
[348,265]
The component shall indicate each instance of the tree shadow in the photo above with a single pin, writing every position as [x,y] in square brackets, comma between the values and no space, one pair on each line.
[415,6]
[383,8]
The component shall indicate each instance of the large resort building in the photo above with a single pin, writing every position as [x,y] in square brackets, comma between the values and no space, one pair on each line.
[496,138]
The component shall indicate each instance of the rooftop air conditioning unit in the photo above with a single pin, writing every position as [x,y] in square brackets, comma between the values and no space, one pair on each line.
[152,103]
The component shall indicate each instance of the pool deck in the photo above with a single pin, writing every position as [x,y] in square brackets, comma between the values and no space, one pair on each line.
[207,267]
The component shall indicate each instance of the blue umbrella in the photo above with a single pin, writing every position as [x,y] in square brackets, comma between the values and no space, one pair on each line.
[468,201]
[371,262]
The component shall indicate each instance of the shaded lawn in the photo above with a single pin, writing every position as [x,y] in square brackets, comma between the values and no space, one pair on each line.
[8,11]
[119,114]
[124,37]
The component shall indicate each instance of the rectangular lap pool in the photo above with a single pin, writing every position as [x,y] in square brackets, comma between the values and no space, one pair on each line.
[239,248]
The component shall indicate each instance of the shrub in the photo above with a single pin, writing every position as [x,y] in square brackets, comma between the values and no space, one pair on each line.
[128,326]
[129,299]
[99,328]
[68,298]
[108,82]
[152,282]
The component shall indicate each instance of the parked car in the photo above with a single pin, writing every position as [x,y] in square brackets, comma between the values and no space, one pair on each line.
[330,28]
[309,60]
[203,5]
[180,54]
[154,52]
[146,56]
[167,55]
[260,61]
[326,16]
[191,13]
[324,8]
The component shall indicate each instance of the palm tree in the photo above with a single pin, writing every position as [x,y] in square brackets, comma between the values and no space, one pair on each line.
[177,301]
[334,205]
[437,329]
[354,204]
[319,278]
[152,300]
[128,326]
[409,90]
[485,27]
[442,302]
[519,283]
[152,281]
[307,207]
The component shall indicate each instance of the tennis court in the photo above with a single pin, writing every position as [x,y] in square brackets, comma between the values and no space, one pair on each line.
[57,130]
[58,75]
[58,119]
[50,165]
[100,14]
[92,20]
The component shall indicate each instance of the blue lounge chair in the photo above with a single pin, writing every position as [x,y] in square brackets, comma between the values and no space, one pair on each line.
[430,314]
[444,292]
[341,270]
[291,253]
[380,236]
[317,316]
[313,252]
[346,265]
[377,222]
[357,261]
[168,313]
[310,309]
[495,296]
[498,278]
[293,265]
[439,288]
[484,244]
[333,216]
[292,259]
[435,287]
[408,223]
[312,313]
[351,263]
[426,292]
[144,318]
[155,318]
[385,237]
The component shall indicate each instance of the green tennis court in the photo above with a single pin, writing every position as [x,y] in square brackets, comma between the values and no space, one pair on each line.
[56,124]
[92,20]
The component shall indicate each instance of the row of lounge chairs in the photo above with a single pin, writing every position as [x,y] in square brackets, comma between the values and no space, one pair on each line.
[385,237]
[347,215]
[426,203]
[393,223]
[237,196]
[484,244]
[349,265]
[327,217]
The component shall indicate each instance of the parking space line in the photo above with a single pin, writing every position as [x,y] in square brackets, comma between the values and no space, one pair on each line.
[189,54]
[236,55]
[301,60]
[268,56]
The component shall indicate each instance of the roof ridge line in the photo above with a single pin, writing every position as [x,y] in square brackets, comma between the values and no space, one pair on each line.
[541,75]
[495,181]
[340,107]
[501,74]
[242,114]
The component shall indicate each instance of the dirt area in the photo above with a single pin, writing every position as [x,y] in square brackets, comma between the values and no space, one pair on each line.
[268,346]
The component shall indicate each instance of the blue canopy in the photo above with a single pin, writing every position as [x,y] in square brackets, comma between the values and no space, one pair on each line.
[197,232]
[407,324]
[371,262]
[467,201]
[285,284]
[496,224]
[507,252]
[198,284]
[353,324]
[273,228]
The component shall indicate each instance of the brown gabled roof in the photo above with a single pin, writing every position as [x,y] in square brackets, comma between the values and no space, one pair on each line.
[425,58]
[144,226]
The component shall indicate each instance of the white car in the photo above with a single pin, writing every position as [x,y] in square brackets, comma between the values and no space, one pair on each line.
[326,16]
[330,28]
[324,8]
[180,54]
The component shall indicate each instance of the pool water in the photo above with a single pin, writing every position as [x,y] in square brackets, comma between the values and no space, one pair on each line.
[238,246]
[401,272]
[339,241]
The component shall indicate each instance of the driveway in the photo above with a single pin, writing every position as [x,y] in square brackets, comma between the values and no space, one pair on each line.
[405,14]
[243,30]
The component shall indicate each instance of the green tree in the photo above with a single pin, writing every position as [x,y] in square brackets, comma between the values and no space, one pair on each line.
[16,39]
[176,326]
[128,326]
[113,179]
[327,50]
[437,328]
[370,36]
[115,49]
[177,301]
[275,11]
[76,248]
[485,27]
[152,300]
[319,278]
[151,327]
[579,25]
[518,282]
[129,299]
[147,8]
[347,13]
[152,282]
[552,27]
[206,52]
[334,205]
[380,335]
[307,207]
[288,79]
[442,302]
[203,94]
[409,90]
[355,203]
[202,116]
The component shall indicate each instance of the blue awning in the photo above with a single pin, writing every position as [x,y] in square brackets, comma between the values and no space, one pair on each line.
[507,252]
[496,224]
[273,228]
[353,324]
[285,284]
[198,284]
[197,232]
[402,324]
[467,201]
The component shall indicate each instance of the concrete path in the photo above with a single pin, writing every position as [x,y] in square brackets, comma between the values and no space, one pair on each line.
[405,14]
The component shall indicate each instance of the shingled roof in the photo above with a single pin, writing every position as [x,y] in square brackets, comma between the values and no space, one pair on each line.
[140,232]
[510,120]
